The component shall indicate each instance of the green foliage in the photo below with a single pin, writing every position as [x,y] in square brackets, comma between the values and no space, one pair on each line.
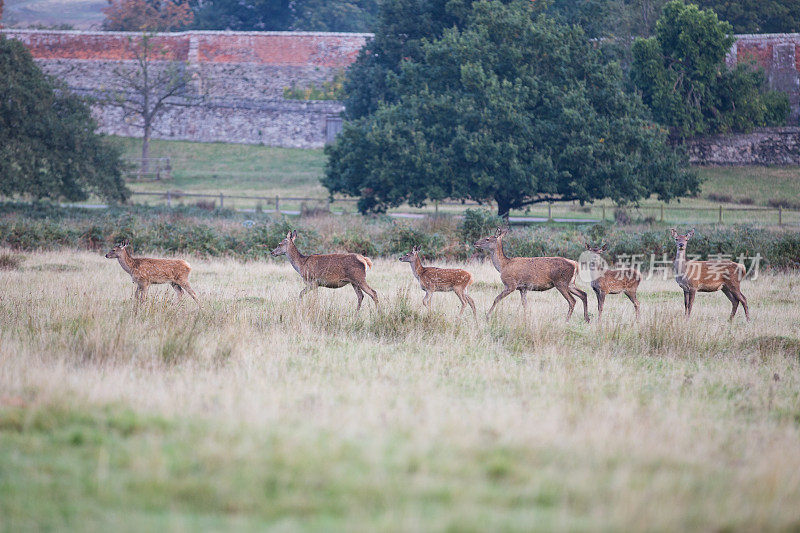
[683,79]
[48,145]
[514,109]
[478,223]
[191,230]
[757,16]
[282,15]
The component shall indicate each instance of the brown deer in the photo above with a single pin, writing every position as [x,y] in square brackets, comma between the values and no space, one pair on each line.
[145,271]
[525,274]
[707,276]
[329,270]
[433,279]
[607,281]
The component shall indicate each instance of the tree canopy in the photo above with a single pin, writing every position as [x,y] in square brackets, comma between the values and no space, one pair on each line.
[512,108]
[757,16]
[281,15]
[683,78]
[147,15]
[48,145]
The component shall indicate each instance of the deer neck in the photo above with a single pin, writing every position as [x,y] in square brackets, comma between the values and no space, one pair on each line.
[416,267]
[125,261]
[680,262]
[499,259]
[297,259]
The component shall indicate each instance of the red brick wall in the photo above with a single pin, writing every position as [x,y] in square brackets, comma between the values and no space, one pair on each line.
[333,50]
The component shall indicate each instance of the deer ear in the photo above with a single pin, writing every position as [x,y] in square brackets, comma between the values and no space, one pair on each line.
[674,233]
[587,245]
[690,234]
[604,247]
[289,235]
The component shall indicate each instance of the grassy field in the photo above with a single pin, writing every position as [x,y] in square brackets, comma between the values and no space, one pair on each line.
[262,411]
[265,171]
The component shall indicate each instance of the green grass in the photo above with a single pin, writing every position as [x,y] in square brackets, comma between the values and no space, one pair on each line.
[249,170]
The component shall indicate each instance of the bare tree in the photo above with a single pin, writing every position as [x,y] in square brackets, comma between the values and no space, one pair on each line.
[146,86]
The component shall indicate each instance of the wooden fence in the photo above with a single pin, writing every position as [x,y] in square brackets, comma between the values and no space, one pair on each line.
[554,211]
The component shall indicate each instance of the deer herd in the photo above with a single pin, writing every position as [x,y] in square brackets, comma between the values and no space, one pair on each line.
[521,274]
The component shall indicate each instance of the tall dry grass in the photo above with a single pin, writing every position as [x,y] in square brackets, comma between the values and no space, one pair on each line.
[400,419]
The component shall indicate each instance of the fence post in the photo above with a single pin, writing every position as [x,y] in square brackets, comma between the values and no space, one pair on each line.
[436,208]
[277,204]
[604,212]
[549,211]
[720,214]
[169,198]
[780,215]
[662,212]
[221,201]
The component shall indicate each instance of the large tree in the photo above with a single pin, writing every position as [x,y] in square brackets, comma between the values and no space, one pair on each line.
[513,108]
[683,78]
[48,144]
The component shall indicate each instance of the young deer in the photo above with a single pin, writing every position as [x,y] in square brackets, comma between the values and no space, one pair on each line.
[330,270]
[525,274]
[145,271]
[707,276]
[607,281]
[433,279]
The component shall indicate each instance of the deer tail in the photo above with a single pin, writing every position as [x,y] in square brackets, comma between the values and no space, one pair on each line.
[575,269]
[741,271]
[365,260]
[470,279]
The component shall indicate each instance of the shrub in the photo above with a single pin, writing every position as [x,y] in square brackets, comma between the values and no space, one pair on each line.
[479,223]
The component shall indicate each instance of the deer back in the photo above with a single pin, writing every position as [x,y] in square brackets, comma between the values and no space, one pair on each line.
[159,270]
[444,279]
[538,273]
[617,280]
[332,268]
[711,275]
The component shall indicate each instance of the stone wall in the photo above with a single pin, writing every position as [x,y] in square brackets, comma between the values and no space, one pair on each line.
[769,146]
[241,75]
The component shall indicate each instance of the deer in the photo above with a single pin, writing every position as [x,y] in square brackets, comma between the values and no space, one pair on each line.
[607,281]
[525,274]
[433,279]
[146,271]
[707,276]
[328,270]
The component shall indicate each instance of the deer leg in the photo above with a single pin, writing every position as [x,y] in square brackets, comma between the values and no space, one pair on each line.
[308,288]
[471,303]
[370,292]
[141,291]
[188,288]
[565,292]
[426,300]
[734,301]
[737,292]
[178,291]
[359,295]
[582,295]
[506,292]
[690,303]
[632,297]
[601,299]
[523,296]
[686,303]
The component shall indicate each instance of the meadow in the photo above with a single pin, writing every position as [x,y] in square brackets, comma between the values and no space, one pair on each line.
[260,410]
[247,170]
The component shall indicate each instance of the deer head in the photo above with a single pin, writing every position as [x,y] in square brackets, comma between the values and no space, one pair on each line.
[283,246]
[489,243]
[117,250]
[410,256]
[681,240]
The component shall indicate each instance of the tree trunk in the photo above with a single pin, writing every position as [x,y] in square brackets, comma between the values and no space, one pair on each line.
[145,167]
[503,207]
